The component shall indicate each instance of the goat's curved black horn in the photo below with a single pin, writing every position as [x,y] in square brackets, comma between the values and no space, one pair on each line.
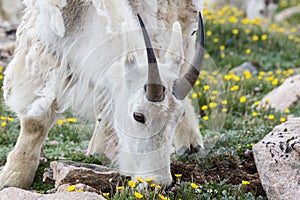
[183,85]
[154,87]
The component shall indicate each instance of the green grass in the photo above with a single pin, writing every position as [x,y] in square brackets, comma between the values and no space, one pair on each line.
[229,123]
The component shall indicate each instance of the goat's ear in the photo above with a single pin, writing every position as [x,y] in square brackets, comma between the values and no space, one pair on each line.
[175,54]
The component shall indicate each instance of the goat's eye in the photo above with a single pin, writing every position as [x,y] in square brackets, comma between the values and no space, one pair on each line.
[139,117]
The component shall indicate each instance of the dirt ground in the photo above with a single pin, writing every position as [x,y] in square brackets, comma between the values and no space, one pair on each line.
[231,169]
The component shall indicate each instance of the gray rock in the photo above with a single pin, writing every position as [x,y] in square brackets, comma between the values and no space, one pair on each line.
[283,96]
[98,177]
[12,193]
[286,13]
[79,186]
[277,159]
[246,66]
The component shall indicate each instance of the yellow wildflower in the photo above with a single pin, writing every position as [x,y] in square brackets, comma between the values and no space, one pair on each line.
[194,185]
[247,51]
[204,107]
[106,194]
[222,47]
[256,103]
[162,197]
[10,119]
[271,117]
[71,188]
[261,73]
[275,82]
[208,33]
[79,191]
[282,119]
[205,11]
[216,40]
[270,73]
[267,101]
[224,102]
[254,114]
[233,19]
[247,75]
[138,195]
[278,71]
[293,30]
[243,99]
[72,120]
[157,187]
[291,37]
[235,31]
[290,71]
[61,121]
[206,87]
[204,72]
[214,92]
[148,180]
[194,95]
[245,21]
[248,30]
[245,182]
[287,111]
[234,88]
[212,105]
[255,38]
[131,183]
[197,82]
[206,56]
[178,175]
[3,124]
[224,110]
[264,37]
[236,78]
[205,118]
[120,187]
[139,179]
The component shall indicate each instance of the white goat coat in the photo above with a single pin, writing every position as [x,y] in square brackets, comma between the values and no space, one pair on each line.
[54,62]
[81,55]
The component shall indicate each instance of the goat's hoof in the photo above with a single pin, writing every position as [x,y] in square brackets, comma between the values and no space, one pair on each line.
[198,148]
[183,151]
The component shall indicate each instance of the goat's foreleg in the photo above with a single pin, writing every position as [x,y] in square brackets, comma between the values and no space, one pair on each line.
[103,141]
[23,160]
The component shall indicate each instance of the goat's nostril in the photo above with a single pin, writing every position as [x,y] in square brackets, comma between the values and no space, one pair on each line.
[261,11]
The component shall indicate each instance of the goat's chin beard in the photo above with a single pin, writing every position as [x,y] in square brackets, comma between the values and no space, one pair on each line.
[154,164]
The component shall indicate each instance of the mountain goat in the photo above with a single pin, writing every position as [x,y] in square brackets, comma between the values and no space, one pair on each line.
[252,8]
[93,57]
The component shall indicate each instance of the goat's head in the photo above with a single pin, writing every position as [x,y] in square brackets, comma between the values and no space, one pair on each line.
[156,94]
[261,8]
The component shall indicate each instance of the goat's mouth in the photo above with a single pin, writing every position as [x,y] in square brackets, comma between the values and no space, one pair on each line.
[153,164]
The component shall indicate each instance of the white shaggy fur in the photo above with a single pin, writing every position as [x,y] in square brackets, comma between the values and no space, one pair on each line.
[253,8]
[90,56]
